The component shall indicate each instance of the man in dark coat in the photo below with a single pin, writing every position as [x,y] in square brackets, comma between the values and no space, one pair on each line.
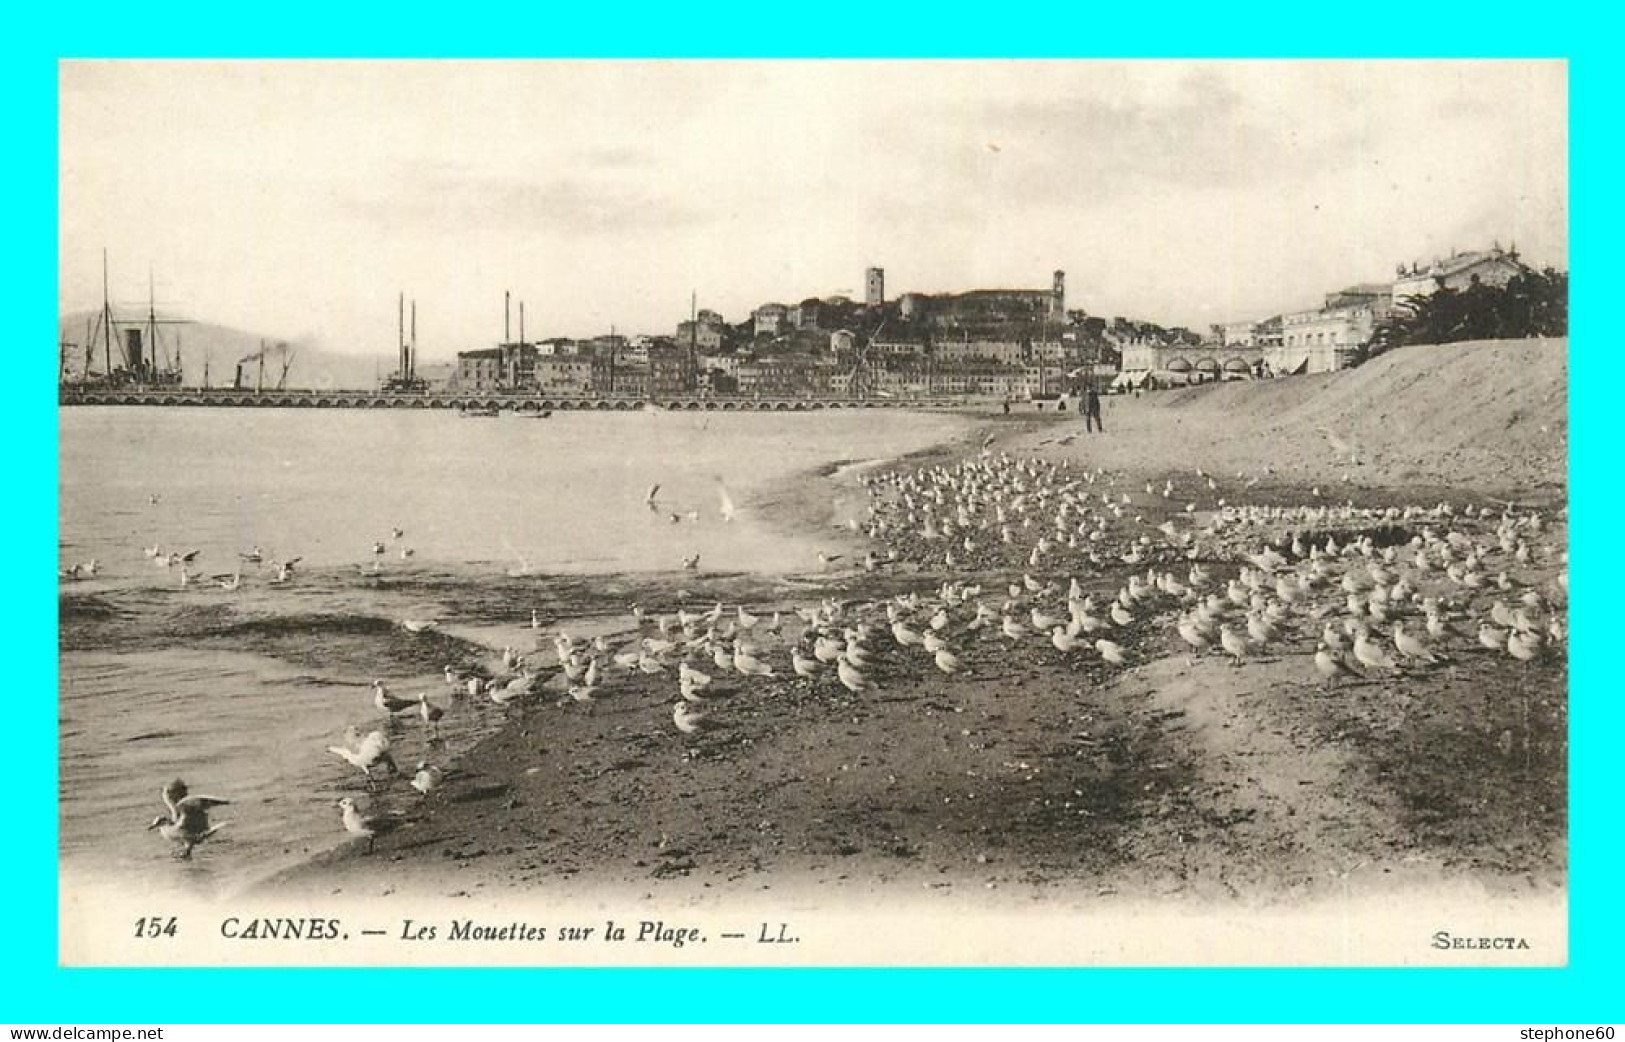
[1091,411]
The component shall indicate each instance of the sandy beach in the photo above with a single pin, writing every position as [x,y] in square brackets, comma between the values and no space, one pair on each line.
[1033,777]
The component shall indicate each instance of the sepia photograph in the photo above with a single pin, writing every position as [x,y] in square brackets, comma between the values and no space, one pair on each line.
[813,513]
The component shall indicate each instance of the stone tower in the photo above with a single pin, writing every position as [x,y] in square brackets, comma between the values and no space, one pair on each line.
[874,287]
[1058,303]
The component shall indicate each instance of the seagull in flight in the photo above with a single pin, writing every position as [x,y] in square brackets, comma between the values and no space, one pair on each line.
[649,500]
[187,823]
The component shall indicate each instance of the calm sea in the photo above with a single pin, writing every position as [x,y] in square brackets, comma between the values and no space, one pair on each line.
[240,692]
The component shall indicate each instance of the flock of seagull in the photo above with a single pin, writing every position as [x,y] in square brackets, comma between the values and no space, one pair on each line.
[1070,564]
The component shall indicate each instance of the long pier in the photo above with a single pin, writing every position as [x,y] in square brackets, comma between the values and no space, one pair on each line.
[68,394]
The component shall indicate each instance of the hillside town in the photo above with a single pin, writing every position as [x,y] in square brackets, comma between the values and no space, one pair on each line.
[1020,344]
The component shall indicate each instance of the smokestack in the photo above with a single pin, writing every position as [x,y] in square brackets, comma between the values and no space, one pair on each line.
[506,338]
[400,332]
[412,349]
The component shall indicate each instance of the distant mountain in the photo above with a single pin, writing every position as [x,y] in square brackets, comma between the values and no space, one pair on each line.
[223,347]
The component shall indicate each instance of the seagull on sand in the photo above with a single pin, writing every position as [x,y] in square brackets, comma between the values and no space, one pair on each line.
[431,714]
[187,823]
[1370,655]
[1235,645]
[690,720]
[804,667]
[365,753]
[1111,651]
[1330,664]
[369,825]
[850,678]
[427,778]
[388,703]
[1411,646]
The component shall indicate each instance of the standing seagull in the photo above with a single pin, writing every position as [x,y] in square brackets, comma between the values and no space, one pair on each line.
[431,714]
[387,703]
[370,826]
[187,823]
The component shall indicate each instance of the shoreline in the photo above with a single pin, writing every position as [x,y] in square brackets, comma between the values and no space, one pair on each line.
[1205,776]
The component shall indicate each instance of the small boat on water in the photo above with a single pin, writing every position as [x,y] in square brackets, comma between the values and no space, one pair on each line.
[479,410]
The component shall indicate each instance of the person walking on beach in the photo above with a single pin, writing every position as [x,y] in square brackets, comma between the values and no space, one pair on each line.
[1091,412]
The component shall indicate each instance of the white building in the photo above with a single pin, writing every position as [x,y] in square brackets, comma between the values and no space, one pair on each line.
[1492,267]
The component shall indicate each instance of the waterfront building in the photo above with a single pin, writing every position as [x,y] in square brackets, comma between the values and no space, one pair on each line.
[563,374]
[896,349]
[504,367]
[1239,334]
[788,377]
[1491,267]
[1327,338]
[1005,352]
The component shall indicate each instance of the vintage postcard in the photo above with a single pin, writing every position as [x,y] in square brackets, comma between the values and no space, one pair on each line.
[816,513]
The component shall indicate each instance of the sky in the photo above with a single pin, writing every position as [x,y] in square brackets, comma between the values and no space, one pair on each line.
[296,199]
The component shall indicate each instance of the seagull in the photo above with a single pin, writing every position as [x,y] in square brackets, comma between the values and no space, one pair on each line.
[947,661]
[1330,664]
[583,693]
[397,533]
[370,826]
[254,556]
[1411,646]
[692,563]
[1490,637]
[187,823]
[388,703]
[804,667]
[749,664]
[690,720]
[1234,643]
[649,499]
[1370,655]
[1111,651]
[431,714]
[367,753]
[850,678]
[427,779]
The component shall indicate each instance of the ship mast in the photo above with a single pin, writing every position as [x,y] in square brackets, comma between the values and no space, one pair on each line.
[152,323]
[107,320]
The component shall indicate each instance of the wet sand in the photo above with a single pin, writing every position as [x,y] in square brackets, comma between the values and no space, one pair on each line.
[1032,777]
